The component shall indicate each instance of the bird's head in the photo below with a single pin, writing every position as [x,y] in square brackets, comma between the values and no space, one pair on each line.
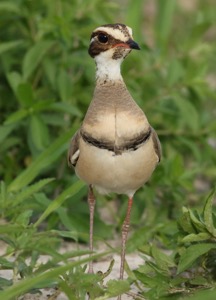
[110,44]
[113,39]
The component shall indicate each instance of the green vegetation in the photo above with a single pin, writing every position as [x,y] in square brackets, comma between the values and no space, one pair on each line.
[46,83]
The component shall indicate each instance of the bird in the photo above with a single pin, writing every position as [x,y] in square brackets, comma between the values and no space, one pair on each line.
[115,150]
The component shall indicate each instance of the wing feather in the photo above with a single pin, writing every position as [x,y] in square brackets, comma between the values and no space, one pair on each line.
[157,145]
[73,151]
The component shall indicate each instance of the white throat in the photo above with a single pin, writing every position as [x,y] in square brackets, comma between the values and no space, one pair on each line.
[107,67]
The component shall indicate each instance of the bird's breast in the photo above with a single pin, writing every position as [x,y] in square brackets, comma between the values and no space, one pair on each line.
[106,159]
[122,174]
[116,128]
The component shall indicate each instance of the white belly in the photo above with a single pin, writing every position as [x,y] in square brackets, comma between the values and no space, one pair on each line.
[122,174]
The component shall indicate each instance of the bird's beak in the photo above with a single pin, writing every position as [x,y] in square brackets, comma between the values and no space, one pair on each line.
[133,45]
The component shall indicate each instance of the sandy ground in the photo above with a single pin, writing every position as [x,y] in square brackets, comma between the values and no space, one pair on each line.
[133,260]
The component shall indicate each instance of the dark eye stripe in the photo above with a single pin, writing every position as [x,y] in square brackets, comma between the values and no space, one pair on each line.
[97,46]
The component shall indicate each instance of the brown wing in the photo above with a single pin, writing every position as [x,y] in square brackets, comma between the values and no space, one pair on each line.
[73,151]
[157,145]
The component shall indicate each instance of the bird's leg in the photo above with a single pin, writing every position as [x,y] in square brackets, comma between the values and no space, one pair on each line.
[125,230]
[91,203]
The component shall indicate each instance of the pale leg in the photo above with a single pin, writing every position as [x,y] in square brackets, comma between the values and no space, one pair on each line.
[91,203]
[125,230]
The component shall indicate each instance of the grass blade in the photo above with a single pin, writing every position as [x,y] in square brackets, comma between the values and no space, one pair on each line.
[72,190]
[30,190]
[165,12]
[29,283]
[42,161]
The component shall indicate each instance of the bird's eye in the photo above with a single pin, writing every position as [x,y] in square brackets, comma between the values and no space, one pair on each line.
[103,38]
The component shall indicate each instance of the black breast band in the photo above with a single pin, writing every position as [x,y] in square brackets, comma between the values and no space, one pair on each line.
[132,144]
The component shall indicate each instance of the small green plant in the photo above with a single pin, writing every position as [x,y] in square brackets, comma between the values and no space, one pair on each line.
[191,266]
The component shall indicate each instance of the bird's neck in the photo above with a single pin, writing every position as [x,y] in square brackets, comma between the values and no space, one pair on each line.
[108,70]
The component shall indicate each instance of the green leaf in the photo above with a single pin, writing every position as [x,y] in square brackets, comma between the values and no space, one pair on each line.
[52,275]
[5,130]
[50,70]
[9,6]
[3,194]
[200,281]
[197,32]
[165,13]
[134,17]
[64,85]
[16,116]
[7,46]
[151,281]
[38,134]
[6,263]
[42,105]
[10,228]
[34,56]
[5,282]
[66,289]
[29,191]
[25,94]
[34,107]
[48,156]
[67,108]
[24,217]
[163,261]
[196,222]
[14,79]
[191,254]
[201,295]
[188,112]
[66,234]
[208,214]
[184,221]
[176,167]
[69,192]
[190,238]
[175,72]
[117,287]
[189,144]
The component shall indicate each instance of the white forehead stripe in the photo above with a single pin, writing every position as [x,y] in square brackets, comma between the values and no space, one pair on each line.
[115,32]
[129,30]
